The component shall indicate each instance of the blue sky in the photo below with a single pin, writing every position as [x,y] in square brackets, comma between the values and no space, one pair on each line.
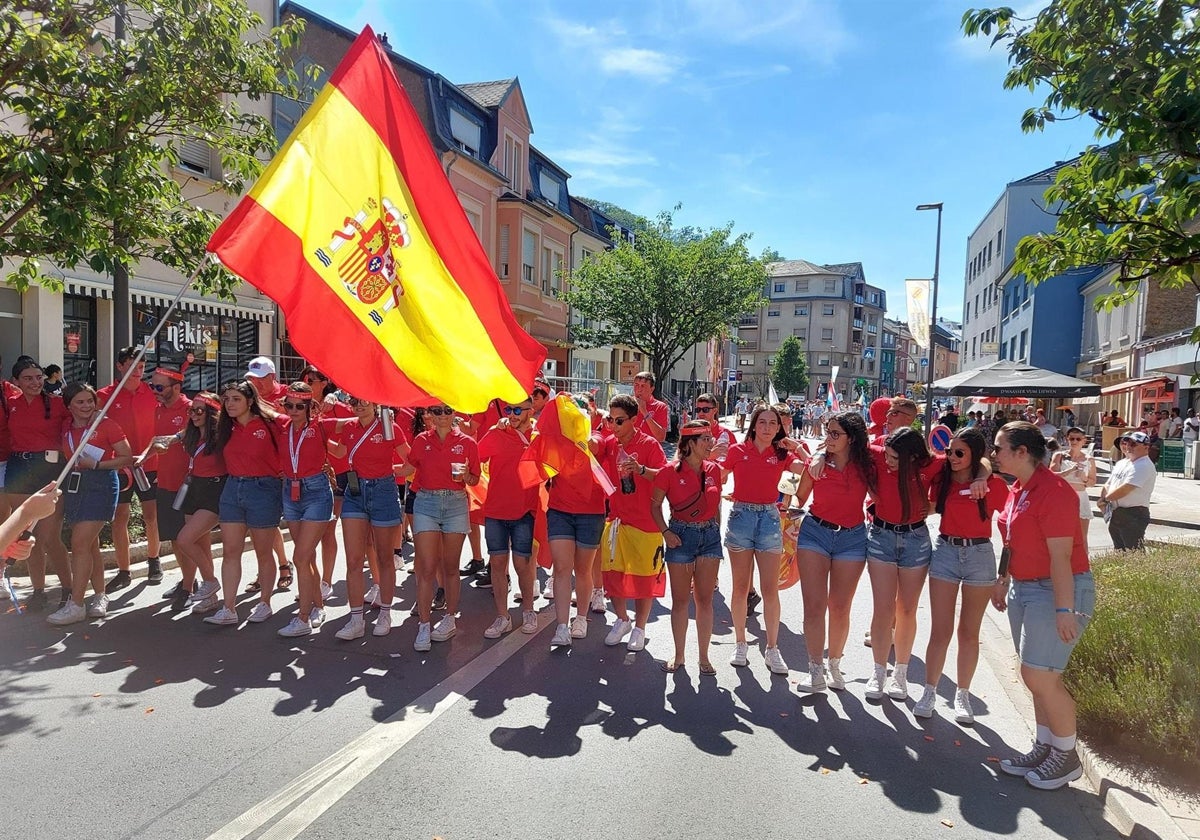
[816,125]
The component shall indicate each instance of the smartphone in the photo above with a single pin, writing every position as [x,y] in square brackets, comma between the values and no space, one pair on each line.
[51,456]
[352,486]
[73,480]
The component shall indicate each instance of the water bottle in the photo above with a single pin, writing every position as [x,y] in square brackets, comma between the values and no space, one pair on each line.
[385,418]
[141,479]
[623,458]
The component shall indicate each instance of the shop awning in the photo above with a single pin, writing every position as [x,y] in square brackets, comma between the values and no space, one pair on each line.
[1122,387]
[208,306]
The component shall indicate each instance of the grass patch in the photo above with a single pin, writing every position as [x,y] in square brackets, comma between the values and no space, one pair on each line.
[1135,673]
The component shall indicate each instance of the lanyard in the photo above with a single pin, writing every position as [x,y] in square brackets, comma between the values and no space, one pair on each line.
[71,439]
[192,458]
[294,448]
[1010,513]
[366,434]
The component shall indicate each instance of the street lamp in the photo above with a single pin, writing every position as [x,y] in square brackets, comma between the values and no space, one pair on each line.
[933,293]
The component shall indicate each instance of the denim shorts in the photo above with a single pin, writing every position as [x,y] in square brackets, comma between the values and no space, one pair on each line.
[376,501]
[848,544]
[753,528]
[3,473]
[904,549]
[584,528]
[1034,622]
[503,535]
[96,500]
[434,510]
[316,500]
[252,501]
[695,543]
[970,565]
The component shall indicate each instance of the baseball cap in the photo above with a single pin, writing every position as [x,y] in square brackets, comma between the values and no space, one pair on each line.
[1136,437]
[260,366]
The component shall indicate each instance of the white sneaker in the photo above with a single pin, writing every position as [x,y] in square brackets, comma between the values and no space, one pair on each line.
[355,628]
[206,590]
[326,590]
[774,660]
[68,613]
[206,606]
[837,680]
[528,622]
[548,589]
[597,602]
[874,690]
[579,627]
[371,599]
[98,606]
[923,708]
[294,628]
[502,625]
[445,629]
[562,637]
[383,622]
[741,655]
[621,628]
[223,616]
[813,682]
[964,712]
[422,642]
[316,617]
[897,684]
[261,612]
[637,639]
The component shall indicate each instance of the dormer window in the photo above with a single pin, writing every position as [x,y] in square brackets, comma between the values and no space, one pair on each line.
[549,187]
[466,132]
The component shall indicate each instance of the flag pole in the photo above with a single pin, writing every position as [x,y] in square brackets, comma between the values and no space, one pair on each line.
[138,358]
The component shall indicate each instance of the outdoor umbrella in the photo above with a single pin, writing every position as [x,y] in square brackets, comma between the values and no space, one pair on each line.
[1013,379]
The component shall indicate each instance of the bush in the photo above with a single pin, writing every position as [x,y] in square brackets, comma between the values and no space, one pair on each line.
[1135,673]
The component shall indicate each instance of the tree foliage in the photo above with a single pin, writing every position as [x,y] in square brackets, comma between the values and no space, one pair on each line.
[89,156]
[1133,67]
[617,213]
[666,291]
[789,370]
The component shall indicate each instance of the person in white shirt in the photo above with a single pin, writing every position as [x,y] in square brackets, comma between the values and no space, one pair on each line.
[1128,491]
[1191,427]
[1176,423]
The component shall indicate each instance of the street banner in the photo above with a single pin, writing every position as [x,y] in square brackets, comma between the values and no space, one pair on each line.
[918,310]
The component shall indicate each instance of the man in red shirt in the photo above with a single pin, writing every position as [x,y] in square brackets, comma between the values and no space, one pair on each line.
[134,408]
[706,409]
[170,420]
[653,417]
[260,373]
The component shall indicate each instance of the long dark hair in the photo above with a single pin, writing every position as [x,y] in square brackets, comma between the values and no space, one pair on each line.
[911,455]
[859,439]
[418,421]
[191,435]
[976,442]
[780,452]
[686,443]
[257,407]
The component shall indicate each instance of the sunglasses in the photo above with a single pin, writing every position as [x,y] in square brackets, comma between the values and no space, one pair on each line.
[960,453]
[311,378]
[294,406]
[158,389]
[439,411]
[514,409]
[704,409]
[834,435]
[354,402]
[620,421]
[1076,439]
[198,412]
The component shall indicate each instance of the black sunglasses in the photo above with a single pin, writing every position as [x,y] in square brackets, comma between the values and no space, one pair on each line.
[158,389]
[294,406]
[439,411]
[960,453]
[701,409]
[620,421]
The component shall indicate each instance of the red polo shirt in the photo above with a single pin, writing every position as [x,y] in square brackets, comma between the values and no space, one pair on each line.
[888,503]
[506,498]
[7,389]
[432,456]
[756,474]
[36,426]
[107,434]
[961,517]
[338,411]
[253,449]
[303,450]
[273,397]
[688,500]
[838,496]
[578,492]
[172,464]
[1043,508]
[657,411]
[634,508]
[368,453]
[136,412]
[205,464]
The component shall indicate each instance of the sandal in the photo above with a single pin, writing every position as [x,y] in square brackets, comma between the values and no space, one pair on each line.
[707,669]
[253,586]
[285,576]
[671,667]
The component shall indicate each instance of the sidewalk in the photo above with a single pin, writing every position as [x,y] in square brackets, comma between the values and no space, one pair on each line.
[1175,502]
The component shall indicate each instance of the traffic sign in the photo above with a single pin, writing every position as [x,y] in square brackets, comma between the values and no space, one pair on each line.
[925,362]
[939,438]
[869,353]
[733,376]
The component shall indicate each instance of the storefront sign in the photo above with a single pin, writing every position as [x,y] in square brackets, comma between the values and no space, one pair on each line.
[1171,458]
[628,371]
[76,337]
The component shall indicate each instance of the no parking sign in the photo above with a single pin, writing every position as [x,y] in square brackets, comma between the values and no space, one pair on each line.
[939,438]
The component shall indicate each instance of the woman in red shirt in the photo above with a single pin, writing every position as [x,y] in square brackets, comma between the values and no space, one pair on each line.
[963,556]
[692,487]
[1050,601]
[248,438]
[91,498]
[327,405]
[35,424]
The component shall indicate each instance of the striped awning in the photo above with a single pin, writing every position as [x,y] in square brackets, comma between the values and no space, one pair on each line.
[211,307]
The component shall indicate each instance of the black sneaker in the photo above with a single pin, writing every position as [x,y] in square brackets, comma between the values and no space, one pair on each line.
[753,599]
[120,580]
[483,579]
[439,599]
[1060,768]
[175,590]
[1022,764]
[473,567]
[180,599]
[37,601]
[153,571]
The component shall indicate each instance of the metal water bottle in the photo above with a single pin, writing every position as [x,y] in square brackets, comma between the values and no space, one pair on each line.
[385,418]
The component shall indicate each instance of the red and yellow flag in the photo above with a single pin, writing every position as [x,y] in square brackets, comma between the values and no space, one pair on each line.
[560,446]
[355,231]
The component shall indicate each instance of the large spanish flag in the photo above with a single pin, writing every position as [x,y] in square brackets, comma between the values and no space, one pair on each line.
[355,231]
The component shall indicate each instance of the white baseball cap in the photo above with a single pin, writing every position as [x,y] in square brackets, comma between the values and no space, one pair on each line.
[259,367]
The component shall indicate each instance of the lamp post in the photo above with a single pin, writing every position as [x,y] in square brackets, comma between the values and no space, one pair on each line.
[933,293]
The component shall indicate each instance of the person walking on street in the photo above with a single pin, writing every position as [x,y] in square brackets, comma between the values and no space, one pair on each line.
[1127,493]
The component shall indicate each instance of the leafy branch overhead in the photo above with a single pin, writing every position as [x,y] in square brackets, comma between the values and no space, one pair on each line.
[1133,67]
[666,290]
[89,158]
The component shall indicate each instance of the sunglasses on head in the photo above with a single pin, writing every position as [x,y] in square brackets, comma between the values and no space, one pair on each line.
[294,406]
[438,411]
[514,409]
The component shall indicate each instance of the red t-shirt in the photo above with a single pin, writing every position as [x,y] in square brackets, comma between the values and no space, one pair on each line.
[303,451]
[756,474]
[106,435]
[36,426]
[253,449]
[273,397]
[172,464]
[720,433]
[688,499]
[136,413]
[838,495]
[368,453]
[506,498]
[657,411]
[578,492]
[888,503]
[338,411]
[7,389]
[961,517]
[432,457]
[205,464]
[634,508]
[1045,507]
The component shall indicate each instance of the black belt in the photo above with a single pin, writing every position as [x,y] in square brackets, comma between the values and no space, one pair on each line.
[40,455]
[832,526]
[899,529]
[962,542]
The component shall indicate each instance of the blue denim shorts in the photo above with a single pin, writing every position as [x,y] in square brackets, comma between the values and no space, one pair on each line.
[434,510]
[753,528]
[252,501]
[695,542]
[316,500]
[376,501]
[1034,623]
[905,549]
[970,565]
[848,544]
[96,500]
[584,528]
[504,535]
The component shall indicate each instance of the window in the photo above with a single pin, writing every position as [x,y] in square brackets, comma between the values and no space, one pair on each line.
[465,131]
[773,312]
[822,361]
[528,255]
[772,335]
[547,267]
[504,252]
[800,309]
[779,287]
[513,163]
[801,285]
[556,265]
[196,156]
[875,298]
[550,188]
[827,310]
[872,329]
[999,239]
[800,333]
[827,334]
[746,360]
[831,286]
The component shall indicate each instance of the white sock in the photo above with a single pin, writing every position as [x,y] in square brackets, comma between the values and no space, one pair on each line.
[1065,743]
[835,663]
[900,672]
[1043,734]
[929,689]
[881,671]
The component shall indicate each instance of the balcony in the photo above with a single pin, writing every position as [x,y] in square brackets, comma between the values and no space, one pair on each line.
[748,321]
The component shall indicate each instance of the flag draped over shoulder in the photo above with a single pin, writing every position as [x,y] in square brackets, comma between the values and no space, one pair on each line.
[560,445]
[355,231]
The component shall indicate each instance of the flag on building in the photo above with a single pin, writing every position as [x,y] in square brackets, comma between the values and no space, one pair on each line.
[355,231]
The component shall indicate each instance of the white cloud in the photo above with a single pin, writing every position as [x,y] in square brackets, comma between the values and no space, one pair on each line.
[608,45]
[814,28]
[604,154]
[648,64]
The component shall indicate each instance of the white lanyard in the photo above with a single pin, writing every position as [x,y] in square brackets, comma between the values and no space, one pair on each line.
[294,448]
[71,439]
[192,458]
[366,434]
[1010,513]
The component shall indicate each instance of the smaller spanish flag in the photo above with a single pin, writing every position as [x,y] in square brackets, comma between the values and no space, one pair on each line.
[560,445]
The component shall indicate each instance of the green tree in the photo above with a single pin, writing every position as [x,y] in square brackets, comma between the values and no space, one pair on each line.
[617,213]
[789,370]
[102,95]
[770,255]
[1132,67]
[666,291]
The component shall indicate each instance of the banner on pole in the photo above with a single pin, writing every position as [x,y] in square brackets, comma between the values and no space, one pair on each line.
[918,292]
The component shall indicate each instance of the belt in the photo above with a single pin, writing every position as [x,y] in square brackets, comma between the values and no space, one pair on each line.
[832,526]
[444,492]
[962,542]
[40,455]
[698,526]
[899,529]
[752,506]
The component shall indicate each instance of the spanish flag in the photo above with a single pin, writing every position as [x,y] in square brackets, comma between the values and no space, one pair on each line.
[560,445]
[355,231]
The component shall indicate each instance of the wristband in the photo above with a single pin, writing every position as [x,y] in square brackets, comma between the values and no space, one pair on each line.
[1063,610]
[643,472]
